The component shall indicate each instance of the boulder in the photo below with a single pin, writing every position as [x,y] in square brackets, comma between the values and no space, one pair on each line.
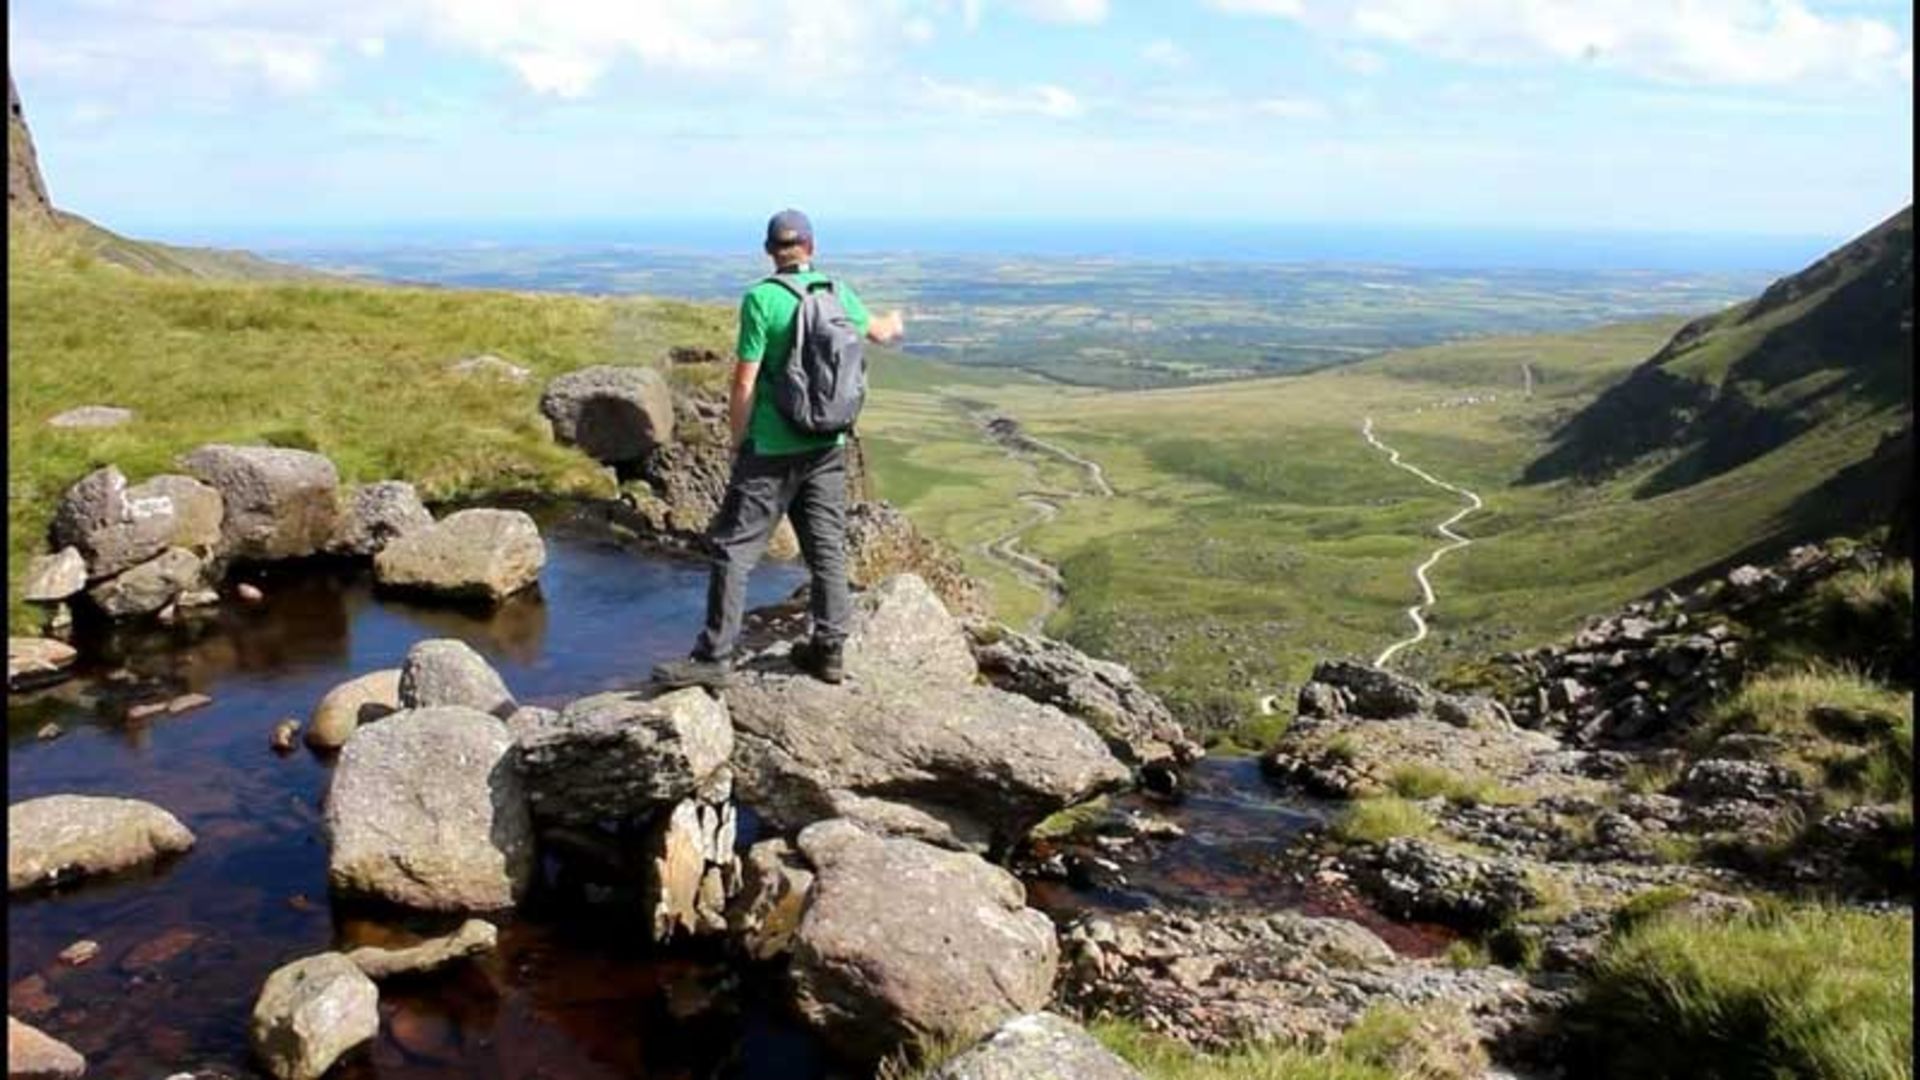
[620,757]
[32,1054]
[903,943]
[900,629]
[199,512]
[615,414]
[473,554]
[149,587]
[353,703]
[986,763]
[374,515]
[426,810]
[1137,726]
[54,578]
[689,864]
[1036,1046]
[774,885]
[1366,691]
[444,671]
[56,838]
[92,416]
[1415,879]
[111,531]
[310,1013]
[35,661]
[475,936]
[883,542]
[280,503]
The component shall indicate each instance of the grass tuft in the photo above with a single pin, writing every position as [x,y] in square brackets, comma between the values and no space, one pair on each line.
[1377,820]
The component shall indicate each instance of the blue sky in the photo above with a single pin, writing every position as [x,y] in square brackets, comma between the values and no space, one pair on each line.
[211,118]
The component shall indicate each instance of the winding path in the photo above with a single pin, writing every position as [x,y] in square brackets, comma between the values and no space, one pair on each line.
[1417,613]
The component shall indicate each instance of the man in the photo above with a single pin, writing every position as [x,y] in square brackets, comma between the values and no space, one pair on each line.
[779,469]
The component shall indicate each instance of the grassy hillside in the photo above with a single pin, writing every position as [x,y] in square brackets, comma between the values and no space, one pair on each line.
[1253,530]
[356,372]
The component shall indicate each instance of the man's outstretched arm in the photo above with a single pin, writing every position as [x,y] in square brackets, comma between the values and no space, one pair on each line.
[740,401]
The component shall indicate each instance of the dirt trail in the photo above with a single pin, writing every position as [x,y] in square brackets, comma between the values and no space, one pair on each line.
[1417,613]
[1043,577]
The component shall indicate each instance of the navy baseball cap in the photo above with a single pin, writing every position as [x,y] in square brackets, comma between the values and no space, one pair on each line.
[789,227]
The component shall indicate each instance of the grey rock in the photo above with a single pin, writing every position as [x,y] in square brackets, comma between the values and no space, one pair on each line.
[112,531]
[902,942]
[1471,711]
[92,416]
[54,578]
[620,757]
[1752,781]
[445,671]
[491,366]
[280,503]
[1037,1046]
[473,938]
[199,512]
[473,554]
[900,628]
[884,817]
[357,701]
[33,1054]
[1415,879]
[615,414]
[1371,693]
[426,810]
[375,514]
[56,838]
[775,883]
[1137,726]
[311,1012]
[148,588]
[33,661]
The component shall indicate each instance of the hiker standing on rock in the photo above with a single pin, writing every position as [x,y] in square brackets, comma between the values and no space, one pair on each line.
[798,386]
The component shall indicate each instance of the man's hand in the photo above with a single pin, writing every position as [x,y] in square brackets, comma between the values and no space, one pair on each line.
[888,328]
[740,402]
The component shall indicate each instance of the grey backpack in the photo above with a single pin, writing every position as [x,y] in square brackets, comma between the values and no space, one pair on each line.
[824,383]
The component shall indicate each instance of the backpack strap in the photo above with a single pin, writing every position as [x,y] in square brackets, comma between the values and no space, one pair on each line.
[798,290]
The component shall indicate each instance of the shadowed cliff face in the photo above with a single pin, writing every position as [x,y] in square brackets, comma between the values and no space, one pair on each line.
[26,191]
[1832,341]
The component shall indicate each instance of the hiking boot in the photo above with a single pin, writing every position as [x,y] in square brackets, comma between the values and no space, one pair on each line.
[693,671]
[827,663]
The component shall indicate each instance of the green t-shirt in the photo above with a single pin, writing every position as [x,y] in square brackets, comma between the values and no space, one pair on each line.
[766,338]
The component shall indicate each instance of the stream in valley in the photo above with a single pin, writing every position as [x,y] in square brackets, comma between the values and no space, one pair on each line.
[575,990]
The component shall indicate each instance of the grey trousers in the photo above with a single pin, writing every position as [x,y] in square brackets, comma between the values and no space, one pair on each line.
[811,490]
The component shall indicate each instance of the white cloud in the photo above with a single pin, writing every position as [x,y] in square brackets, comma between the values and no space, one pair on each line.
[1164,53]
[1740,42]
[372,47]
[1045,100]
[560,74]
[918,30]
[1291,108]
[1065,11]
[1361,61]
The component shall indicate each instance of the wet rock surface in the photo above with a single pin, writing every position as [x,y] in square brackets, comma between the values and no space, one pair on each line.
[310,1013]
[32,1054]
[355,702]
[475,937]
[56,838]
[35,662]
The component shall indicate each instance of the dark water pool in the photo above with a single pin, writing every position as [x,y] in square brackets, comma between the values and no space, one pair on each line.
[574,990]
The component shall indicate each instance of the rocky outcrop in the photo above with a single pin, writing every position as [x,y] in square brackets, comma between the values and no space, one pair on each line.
[1240,977]
[32,1054]
[883,542]
[26,191]
[148,588]
[621,757]
[375,514]
[34,662]
[615,414]
[691,869]
[426,810]
[56,838]
[1416,879]
[280,503]
[902,942]
[1135,723]
[444,671]
[477,554]
[900,629]
[355,702]
[1037,1046]
[310,1013]
[475,937]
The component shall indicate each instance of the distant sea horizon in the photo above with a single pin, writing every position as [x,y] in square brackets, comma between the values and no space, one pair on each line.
[1424,247]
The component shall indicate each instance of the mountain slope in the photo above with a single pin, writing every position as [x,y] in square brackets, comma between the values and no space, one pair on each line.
[1832,342]
[37,230]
